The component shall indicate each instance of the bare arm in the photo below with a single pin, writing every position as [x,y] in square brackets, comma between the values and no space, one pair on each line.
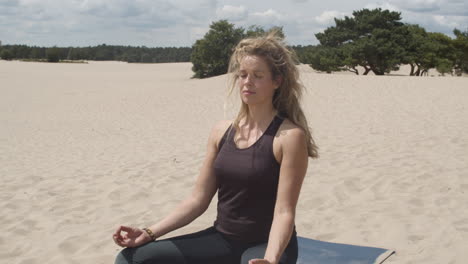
[293,169]
[201,196]
[190,208]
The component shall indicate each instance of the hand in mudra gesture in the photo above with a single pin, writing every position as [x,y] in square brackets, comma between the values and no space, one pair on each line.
[126,236]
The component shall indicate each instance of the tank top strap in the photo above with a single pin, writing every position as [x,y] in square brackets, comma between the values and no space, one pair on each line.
[274,126]
[224,138]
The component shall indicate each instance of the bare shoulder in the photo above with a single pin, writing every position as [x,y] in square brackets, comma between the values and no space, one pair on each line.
[290,138]
[290,133]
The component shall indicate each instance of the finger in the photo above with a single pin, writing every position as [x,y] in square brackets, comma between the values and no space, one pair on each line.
[118,230]
[127,229]
[118,240]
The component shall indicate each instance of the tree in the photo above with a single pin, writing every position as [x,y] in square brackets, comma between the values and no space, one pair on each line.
[372,39]
[417,45]
[6,54]
[461,50]
[38,53]
[256,31]
[210,55]
[441,55]
[444,66]
[53,54]
[325,59]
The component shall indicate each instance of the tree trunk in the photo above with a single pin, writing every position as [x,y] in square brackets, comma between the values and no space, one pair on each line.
[412,69]
[367,70]
[418,72]
[377,72]
[353,69]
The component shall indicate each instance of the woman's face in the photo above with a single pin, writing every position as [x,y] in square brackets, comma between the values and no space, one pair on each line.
[255,81]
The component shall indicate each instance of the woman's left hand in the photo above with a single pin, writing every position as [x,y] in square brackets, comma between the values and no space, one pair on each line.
[260,261]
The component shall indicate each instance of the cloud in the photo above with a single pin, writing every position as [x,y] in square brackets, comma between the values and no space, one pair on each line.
[451,22]
[269,17]
[106,8]
[327,17]
[444,7]
[232,13]
[418,5]
[434,15]
[9,3]
[180,23]
[384,6]
[74,22]
[8,7]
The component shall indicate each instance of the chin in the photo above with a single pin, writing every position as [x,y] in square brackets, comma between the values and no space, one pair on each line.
[248,101]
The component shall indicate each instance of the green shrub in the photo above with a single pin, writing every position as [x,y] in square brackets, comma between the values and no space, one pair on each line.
[53,54]
[210,55]
[6,55]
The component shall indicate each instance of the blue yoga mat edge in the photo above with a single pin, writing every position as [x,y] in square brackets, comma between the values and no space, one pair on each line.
[313,251]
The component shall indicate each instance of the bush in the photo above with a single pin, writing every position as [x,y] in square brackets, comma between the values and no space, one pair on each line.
[444,66]
[6,55]
[53,54]
[210,55]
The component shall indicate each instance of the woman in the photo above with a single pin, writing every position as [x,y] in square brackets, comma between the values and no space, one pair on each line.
[256,163]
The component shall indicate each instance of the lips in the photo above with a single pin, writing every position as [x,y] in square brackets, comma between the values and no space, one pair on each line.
[248,92]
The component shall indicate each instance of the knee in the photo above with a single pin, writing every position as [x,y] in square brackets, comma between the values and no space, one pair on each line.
[125,256]
[253,253]
[160,252]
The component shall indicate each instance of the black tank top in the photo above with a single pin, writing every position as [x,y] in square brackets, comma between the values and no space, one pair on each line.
[247,186]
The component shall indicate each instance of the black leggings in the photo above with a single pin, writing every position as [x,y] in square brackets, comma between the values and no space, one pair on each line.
[204,247]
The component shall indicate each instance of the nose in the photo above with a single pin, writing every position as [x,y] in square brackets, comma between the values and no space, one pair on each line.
[248,79]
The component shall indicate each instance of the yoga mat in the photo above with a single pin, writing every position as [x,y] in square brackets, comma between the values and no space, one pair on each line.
[320,252]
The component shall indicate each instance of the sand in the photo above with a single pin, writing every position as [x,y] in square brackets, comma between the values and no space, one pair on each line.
[86,147]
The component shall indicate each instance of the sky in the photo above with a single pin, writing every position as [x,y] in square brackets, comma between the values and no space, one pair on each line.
[179,23]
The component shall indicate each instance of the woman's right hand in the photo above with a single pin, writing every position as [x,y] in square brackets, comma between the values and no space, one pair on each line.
[126,236]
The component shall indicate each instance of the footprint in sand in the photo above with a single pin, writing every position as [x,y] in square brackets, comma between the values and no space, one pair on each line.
[461,225]
[415,238]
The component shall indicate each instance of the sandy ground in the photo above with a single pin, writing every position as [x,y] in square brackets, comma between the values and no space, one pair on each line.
[85,147]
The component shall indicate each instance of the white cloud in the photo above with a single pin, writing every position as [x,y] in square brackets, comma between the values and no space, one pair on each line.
[232,13]
[269,17]
[181,22]
[444,7]
[418,5]
[434,15]
[450,21]
[327,17]
[384,6]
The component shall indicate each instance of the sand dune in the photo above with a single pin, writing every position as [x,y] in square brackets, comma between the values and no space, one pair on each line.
[85,147]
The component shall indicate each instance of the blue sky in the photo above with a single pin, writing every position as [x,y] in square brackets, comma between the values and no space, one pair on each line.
[164,23]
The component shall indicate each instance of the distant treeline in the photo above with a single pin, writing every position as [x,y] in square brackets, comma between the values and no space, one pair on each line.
[105,53]
[100,53]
